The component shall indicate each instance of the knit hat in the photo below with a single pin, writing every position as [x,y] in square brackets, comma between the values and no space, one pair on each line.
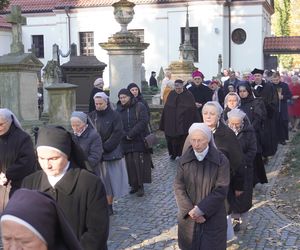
[197,74]
[98,83]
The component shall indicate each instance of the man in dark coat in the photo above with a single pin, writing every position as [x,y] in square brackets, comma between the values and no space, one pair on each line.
[152,80]
[269,95]
[231,81]
[201,186]
[201,93]
[178,115]
[79,193]
[17,157]
[284,94]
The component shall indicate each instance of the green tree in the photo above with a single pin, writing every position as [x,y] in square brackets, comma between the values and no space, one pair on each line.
[3,4]
[282,28]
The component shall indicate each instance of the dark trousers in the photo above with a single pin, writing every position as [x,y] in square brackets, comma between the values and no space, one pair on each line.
[175,145]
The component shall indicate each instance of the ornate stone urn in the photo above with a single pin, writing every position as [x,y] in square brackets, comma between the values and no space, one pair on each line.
[123,12]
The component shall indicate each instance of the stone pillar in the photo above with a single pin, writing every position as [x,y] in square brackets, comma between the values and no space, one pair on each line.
[18,75]
[62,100]
[124,50]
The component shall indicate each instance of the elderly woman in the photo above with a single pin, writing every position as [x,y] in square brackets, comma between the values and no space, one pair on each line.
[201,186]
[135,118]
[86,136]
[113,170]
[178,115]
[79,193]
[32,220]
[231,101]
[98,87]
[227,143]
[17,157]
[256,112]
[246,136]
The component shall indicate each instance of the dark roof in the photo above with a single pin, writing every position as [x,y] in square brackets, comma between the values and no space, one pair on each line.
[282,45]
[31,6]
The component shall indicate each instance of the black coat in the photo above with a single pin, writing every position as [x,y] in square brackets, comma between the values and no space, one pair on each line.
[17,157]
[91,100]
[202,94]
[135,121]
[228,144]
[153,82]
[269,140]
[282,104]
[179,114]
[109,125]
[205,184]
[247,140]
[81,196]
[235,84]
[91,144]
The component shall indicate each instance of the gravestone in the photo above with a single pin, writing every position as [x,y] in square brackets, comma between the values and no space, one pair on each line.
[82,71]
[18,75]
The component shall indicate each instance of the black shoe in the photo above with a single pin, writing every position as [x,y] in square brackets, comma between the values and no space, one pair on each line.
[282,143]
[133,190]
[236,225]
[110,210]
[140,192]
[172,157]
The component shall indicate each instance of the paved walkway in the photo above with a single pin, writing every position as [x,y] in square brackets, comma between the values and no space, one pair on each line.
[150,222]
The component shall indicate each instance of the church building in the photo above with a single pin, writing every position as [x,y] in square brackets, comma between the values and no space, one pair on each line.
[234,29]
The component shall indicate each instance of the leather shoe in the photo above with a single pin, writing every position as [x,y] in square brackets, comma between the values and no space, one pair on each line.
[140,192]
[133,190]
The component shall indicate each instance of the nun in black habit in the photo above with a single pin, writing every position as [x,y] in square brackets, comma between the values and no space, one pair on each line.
[79,193]
[32,220]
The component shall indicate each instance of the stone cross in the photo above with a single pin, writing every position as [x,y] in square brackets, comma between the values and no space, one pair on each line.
[17,20]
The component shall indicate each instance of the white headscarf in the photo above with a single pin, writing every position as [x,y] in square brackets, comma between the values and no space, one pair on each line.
[101,95]
[10,117]
[232,94]
[203,128]
[216,105]
[236,113]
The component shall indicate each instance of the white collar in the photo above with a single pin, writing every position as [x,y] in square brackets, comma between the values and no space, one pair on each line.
[54,179]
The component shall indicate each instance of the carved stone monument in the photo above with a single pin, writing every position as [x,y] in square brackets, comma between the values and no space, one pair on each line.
[183,68]
[124,50]
[18,75]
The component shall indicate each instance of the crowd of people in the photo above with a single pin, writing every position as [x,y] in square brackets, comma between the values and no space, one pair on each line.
[220,133]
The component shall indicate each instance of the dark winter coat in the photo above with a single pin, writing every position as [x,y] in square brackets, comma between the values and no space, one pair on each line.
[205,184]
[202,94]
[179,114]
[247,140]
[81,196]
[17,157]
[153,82]
[109,125]
[235,84]
[135,121]
[91,144]
[91,100]
[228,144]
[282,104]
[269,139]
[256,112]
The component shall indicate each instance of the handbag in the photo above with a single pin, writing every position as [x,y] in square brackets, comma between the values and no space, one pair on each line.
[150,140]
[4,196]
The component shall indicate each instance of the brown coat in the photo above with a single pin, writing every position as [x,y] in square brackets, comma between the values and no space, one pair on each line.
[179,114]
[205,184]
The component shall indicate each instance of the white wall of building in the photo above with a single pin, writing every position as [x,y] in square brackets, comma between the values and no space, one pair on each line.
[5,41]
[161,26]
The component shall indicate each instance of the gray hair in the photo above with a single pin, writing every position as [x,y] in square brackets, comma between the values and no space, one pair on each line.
[214,104]
[236,113]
